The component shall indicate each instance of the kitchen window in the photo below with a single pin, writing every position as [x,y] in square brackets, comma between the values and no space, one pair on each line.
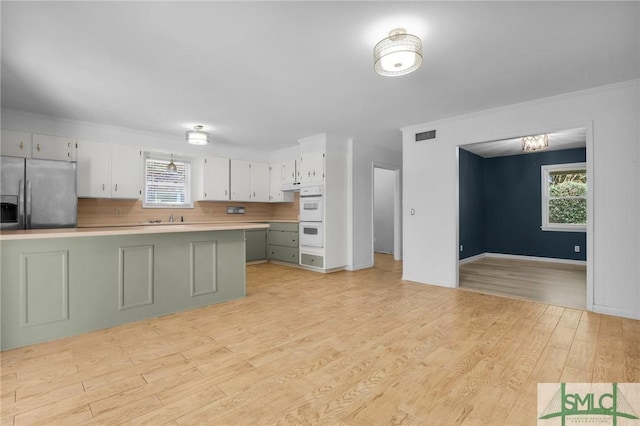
[564,197]
[164,188]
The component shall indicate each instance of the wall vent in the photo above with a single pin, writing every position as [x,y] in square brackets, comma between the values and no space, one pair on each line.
[426,136]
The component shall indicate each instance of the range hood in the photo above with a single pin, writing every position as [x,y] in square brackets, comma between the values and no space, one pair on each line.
[291,186]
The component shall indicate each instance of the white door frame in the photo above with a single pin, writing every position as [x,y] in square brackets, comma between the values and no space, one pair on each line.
[591,249]
[397,209]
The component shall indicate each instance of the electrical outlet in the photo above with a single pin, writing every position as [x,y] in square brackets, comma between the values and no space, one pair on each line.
[461,247]
[576,249]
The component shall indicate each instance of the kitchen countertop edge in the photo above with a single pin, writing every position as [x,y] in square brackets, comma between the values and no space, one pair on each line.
[31,234]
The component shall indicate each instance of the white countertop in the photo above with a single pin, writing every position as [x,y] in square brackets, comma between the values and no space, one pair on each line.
[31,234]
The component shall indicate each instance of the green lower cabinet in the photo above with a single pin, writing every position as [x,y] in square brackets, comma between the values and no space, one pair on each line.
[283,245]
[311,260]
[53,288]
[283,254]
[256,244]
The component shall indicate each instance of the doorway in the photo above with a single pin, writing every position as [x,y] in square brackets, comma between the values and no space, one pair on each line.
[386,212]
[507,243]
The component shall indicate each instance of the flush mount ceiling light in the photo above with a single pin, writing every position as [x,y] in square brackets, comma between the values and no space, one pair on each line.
[535,143]
[197,136]
[398,54]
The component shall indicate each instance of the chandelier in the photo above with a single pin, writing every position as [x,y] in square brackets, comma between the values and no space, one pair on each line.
[535,143]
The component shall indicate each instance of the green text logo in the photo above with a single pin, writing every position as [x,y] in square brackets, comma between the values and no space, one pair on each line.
[587,403]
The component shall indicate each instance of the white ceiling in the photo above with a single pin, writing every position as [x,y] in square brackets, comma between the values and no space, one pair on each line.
[564,139]
[264,74]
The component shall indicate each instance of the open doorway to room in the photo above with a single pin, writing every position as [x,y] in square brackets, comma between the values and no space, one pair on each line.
[522,221]
[386,213]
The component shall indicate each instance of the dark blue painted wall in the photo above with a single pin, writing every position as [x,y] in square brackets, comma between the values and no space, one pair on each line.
[471,193]
[511,206]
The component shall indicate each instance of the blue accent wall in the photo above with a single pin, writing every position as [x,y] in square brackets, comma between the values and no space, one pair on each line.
[511,207]
[472,198]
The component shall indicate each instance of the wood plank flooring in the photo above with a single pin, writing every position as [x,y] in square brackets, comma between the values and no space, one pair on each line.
[349,348]
[548,282]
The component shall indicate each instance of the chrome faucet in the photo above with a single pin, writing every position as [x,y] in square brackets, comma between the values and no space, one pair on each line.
[171,218]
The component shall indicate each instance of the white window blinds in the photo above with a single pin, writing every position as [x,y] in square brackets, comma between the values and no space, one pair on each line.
[167,188]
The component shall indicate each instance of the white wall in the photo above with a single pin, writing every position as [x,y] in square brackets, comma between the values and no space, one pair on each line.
[363,159]
[611,115]
[384,182]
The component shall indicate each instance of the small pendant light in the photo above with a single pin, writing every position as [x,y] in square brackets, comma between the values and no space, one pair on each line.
[171,167]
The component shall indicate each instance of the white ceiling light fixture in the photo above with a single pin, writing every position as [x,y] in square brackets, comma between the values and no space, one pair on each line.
[197,136]
[535,143]
[398,54]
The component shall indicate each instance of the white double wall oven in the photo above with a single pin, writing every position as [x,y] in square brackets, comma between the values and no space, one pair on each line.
[311,216]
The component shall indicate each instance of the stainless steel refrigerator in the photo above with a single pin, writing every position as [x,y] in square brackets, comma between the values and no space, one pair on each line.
[37,194]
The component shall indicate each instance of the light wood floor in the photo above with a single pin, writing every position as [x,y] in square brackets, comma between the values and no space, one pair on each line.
[354,348]
[548,282]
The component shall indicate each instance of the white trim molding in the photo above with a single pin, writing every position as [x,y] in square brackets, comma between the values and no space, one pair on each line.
[521,257]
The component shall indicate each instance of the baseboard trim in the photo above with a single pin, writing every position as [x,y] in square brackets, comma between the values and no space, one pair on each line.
[357,268]
[521,257]
[472,258]
[625,313]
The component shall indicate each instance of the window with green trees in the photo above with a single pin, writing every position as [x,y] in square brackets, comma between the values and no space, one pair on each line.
[564,197]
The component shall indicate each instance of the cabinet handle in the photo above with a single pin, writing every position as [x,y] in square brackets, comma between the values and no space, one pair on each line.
[21,145]
[254,194]
[103,186]
[205,195]
[68,144]
[115,187]
[309,173]
[68,155]
[225,192]
[38,147]
[314,173]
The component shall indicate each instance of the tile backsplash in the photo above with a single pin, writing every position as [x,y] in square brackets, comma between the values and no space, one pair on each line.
[118,212]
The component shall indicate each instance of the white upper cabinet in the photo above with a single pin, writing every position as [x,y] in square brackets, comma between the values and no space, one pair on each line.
[33,145]
[249,181]
[288,175]
[276,194]
[259,182]
[15,143]
[109,171]
[240,180]
[47,147]
[275,182]
[311,167]
[126,171]
[94,175]
[214,184]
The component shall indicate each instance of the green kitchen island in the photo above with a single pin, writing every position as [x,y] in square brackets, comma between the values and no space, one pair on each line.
[63,282]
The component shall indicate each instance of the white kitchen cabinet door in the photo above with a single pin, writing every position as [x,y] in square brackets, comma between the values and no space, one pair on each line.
[311,167]
[48,147]
[289,172]
[240,180]
[93,168]
[126,171]
[260,182]
[275,182]
[15,143]
[215,179]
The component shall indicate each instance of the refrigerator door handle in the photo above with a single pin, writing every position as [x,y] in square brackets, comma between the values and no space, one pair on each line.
[21,203]
[28,204]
